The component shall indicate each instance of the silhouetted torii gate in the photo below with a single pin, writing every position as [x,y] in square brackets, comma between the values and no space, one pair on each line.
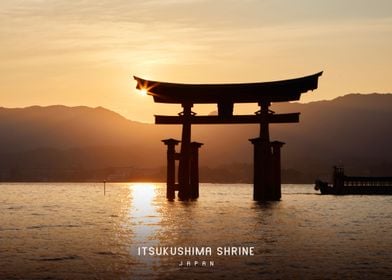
[266,153]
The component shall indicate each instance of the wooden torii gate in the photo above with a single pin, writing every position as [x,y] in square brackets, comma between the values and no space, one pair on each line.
[267,185]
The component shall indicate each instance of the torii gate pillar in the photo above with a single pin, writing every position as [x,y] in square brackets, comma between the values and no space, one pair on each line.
[192,173]
[266,158]
[171,167]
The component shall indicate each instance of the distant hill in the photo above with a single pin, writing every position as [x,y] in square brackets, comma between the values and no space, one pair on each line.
[82,143]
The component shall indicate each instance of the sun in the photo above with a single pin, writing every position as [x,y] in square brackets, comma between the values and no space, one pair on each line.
[142,91]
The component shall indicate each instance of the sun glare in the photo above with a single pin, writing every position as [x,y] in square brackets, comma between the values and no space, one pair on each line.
[142,91]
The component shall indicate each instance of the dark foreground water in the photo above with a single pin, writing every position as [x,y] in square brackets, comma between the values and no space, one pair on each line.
[73,231]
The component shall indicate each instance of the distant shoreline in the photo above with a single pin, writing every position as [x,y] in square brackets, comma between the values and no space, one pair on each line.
[125,182]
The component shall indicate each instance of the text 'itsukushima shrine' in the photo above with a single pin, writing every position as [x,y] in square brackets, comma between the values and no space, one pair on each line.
[267,182]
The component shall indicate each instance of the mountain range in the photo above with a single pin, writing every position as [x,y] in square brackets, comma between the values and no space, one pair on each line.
[59,143]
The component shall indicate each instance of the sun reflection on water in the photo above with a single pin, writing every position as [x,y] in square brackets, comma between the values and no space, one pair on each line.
[143,195]
[143,213]
[145,221]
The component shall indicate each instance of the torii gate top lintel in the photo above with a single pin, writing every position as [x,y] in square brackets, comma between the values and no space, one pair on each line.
[276,91]
[225,95]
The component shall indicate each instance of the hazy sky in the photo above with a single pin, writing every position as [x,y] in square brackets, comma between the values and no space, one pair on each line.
[85,52]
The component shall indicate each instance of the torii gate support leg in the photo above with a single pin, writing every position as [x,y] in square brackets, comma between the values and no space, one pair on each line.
[171,168]
[195,170]
[276,169]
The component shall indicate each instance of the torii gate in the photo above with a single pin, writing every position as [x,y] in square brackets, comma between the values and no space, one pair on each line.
[267,185]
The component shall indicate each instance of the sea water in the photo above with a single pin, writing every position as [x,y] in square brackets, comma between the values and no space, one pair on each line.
[78,231]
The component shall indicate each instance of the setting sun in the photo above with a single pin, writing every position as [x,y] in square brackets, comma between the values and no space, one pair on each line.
[142,91]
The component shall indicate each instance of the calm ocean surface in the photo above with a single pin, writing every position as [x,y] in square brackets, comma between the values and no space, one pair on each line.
[74,231]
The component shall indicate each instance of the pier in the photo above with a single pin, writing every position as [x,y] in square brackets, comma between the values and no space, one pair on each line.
[267,153]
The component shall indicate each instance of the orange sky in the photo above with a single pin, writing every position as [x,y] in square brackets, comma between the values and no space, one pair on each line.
[85,52]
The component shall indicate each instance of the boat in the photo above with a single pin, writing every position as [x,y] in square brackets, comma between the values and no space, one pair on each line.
[343,184]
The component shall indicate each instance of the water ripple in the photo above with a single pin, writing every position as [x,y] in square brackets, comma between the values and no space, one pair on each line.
[75,232]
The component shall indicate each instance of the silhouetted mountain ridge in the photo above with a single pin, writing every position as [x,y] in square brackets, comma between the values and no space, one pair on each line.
[353,130]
